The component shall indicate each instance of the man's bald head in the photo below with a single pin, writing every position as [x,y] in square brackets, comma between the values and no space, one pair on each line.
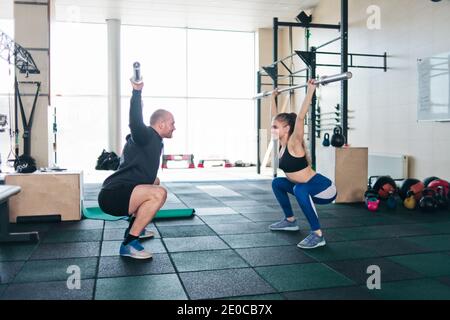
[163,122]
[159,115]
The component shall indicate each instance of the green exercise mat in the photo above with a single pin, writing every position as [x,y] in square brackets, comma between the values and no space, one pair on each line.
[97,214]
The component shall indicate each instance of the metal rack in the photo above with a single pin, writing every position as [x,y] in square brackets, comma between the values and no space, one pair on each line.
[309,58]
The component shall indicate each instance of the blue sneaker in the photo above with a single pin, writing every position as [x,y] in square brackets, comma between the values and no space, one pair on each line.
[134,250]
[312,241]
[285,225]
[145,234]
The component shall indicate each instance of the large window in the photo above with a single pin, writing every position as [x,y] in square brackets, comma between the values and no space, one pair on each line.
[205,78]
[79,92]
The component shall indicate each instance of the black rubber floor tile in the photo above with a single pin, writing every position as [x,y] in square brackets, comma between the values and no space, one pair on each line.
[270,256]
[241,204]
[405,230]
[432,242]
[85,224]
[341,251]
[56,270]
[73,236]
[16,251]
[221,219]
[56,290]
[444,280]
[207,260]
[343,293]
[120,224]
[194,244]
[269,218]
[240,228]
[356,270]
[224,283]
[438,227]
[298,277]
[420,289]
[148,287]
[214,211]
[254,240]
[8,270]
[117,266]
[67,250]
[2,290]
[185,231]
[427,264]
[203,204]
[191,221]
[256,209]
[327,223]
[391,247]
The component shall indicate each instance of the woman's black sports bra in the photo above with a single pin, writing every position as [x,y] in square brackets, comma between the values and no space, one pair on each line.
[290,164]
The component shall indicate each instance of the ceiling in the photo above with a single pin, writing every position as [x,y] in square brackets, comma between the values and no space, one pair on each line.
[239,15]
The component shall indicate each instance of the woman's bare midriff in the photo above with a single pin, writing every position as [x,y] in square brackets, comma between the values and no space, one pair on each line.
[301,176]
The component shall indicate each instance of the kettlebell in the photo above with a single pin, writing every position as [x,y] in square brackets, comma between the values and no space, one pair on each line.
[391,201]
[338,139]
[410,201]
[428,202]
[372,200]
[326,140]
[441,198]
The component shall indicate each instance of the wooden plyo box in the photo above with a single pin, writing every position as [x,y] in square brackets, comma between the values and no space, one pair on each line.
[348,169]
[46,194]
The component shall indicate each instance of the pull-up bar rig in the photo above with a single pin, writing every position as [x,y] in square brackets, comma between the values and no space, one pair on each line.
[309,58]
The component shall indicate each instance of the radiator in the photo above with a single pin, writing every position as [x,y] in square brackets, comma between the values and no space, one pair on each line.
[395,166]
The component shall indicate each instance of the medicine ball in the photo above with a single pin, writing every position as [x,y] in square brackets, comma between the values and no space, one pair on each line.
[414,185]
[385,186]
[427,181]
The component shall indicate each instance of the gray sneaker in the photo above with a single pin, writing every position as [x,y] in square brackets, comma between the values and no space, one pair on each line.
[312,241]
[285,225]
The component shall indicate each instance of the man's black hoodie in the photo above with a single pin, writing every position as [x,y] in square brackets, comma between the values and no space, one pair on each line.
[141,154]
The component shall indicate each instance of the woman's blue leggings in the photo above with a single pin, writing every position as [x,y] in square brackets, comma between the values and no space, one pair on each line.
[319,190]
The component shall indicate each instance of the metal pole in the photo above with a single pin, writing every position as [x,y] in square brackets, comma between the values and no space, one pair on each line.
[114,112]
[275,49]
[258,124]
[310,25]
[312,133]
[327,43]
[344,66]
[275,85]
